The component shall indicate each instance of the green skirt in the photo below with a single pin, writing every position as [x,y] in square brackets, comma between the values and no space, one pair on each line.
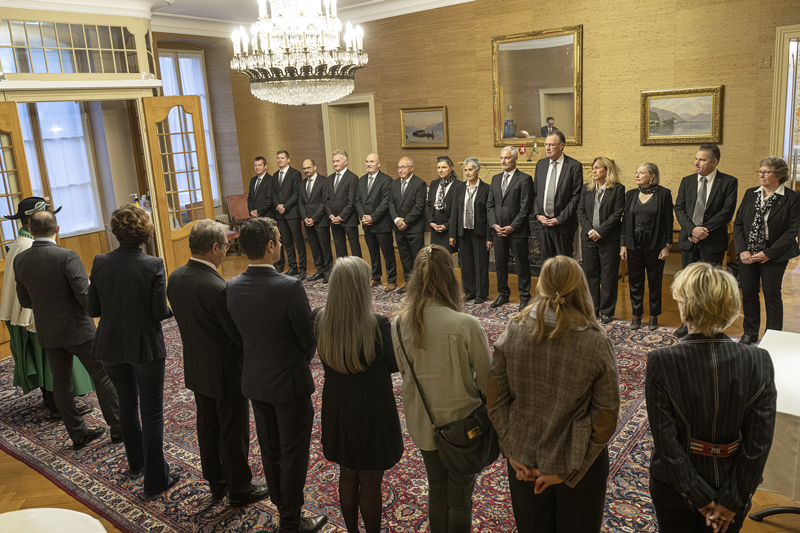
[32,367]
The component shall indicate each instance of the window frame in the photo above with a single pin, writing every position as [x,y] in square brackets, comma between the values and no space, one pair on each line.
[784,35]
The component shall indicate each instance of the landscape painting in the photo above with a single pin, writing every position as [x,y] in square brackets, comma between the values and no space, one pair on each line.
[424,127]
[682,116]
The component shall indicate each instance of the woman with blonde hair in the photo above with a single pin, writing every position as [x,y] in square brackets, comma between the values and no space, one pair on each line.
[360,426]
[600,215]
[556,404]
[711,436]
[449,353]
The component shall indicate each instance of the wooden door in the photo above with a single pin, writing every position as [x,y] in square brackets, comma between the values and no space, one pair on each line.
[180,171]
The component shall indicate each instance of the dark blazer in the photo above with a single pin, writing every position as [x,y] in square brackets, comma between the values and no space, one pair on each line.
[212,345]
[52,281]
[545,133]
[128,291]
[720,207]
[263,199]
[375,203]
[313,206]
[433,194]
[611,208]
[567,196]
[783,223]
[515,208]
[661,233]
[481,226]
[288,194]
[739,403]
[278,338]
[410,208]
[342,201]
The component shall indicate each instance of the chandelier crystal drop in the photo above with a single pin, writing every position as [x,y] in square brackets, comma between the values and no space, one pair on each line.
[292,53]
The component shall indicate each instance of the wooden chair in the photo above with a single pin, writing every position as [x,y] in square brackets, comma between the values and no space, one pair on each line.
[239,213]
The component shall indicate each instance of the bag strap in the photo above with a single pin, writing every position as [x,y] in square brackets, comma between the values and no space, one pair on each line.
[413,374]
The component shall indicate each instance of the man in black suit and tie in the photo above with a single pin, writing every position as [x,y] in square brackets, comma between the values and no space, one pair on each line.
[549,128]
[212,366]
[508,208]
[372,204]
[52,281]
[705,205]
[313,198]
[278,346]
[286,183]
[407,209]
[259,197]
[341,206]
[557,185]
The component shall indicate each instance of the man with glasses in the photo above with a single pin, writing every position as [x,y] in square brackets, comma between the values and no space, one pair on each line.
[407,209]
[313,198]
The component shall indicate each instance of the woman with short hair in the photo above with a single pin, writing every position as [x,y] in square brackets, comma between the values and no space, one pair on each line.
[439,204]
[360,425]
[711,435]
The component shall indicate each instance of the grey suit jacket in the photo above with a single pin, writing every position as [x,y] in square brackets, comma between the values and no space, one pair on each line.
[52,281]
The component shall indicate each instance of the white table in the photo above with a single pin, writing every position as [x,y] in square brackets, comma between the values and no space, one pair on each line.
[48,521]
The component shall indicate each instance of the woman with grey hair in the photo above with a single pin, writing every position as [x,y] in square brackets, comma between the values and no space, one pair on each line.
[645,240]
[469,231]
[439,204]
[360,425]
[765,232]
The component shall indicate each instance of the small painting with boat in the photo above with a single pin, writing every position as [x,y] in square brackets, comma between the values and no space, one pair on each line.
[681,116]
[424,127]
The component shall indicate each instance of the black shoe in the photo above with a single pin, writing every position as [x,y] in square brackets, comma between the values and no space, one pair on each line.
[302,275]
[401,290]
[150,496]
[326,276]
[636,322]
[256,494]
[469,297]
[91,434]
[83,409]
[135,474]
[480,300]
[681,331]
[316,275]
[747,339]
[307,525]
[116,436]
[217,495]
[605,319]
[293,272]
[523,304]
[501,300]
[653,324]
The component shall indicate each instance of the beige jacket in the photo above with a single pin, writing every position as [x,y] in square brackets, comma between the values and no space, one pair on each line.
[10,309]
[556,403]
[451,370]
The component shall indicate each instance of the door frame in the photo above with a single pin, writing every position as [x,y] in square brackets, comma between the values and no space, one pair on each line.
[363,98]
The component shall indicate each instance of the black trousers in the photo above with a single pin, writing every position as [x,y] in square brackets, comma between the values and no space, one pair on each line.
[474,259]
[291,236]
[560,509]
[502,245]
[340,237]
[284,435]
[674,516]
[223,436]
[769,276]
[641,263]
[552,243]
[601,265]
[699,253]
[319,239]
[377,243]
[408,246]
[442,238]
[61,366]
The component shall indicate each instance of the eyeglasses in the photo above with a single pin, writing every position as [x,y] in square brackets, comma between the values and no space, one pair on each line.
[402,167]
[227,246]
[765,172]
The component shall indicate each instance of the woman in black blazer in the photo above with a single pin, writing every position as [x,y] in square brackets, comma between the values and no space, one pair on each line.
[765,232]
[128,293]
[600,234]
[471,234]
[440,202]
[645,240]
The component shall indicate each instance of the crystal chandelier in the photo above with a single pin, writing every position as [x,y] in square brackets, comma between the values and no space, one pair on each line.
[292,55]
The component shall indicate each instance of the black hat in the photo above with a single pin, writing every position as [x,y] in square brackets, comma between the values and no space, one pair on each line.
[29,206]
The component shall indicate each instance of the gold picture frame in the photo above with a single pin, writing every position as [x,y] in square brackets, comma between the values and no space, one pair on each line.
[424,127]
[681,116]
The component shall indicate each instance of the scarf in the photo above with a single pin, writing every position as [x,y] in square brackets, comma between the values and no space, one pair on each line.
[23,232]
[649,190]
[757,240]
[440,197]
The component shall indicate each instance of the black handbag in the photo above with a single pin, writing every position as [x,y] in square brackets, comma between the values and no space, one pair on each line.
[465,446]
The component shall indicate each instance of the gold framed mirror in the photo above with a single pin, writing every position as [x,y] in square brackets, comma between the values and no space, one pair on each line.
[537,85]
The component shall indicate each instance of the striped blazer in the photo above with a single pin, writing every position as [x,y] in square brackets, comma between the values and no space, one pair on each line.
[717,391]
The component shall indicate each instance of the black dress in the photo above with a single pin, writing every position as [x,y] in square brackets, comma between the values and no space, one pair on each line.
[360,424]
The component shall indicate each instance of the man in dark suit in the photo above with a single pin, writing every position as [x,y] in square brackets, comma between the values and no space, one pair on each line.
[407,209]
[372,204]
[508,208]
[278,344]
[549,128]
[341,206]
[52,281]
[260,194]
[286,184]
[705,205]
[313,200]
[212,366]
[557,184]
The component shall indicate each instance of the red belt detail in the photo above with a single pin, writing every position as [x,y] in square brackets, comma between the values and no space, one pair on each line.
[713,450]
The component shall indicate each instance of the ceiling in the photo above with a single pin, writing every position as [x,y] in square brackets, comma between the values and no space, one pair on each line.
[233,10]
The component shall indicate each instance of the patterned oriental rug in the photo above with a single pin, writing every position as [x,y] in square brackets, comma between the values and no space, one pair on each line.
[95,474]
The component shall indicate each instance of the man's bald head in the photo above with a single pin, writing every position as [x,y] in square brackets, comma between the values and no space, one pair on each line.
[43,224]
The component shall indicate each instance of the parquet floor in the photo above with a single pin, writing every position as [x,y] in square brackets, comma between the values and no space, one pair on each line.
[21,487]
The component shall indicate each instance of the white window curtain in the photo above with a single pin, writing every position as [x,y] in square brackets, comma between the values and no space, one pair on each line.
[30,150]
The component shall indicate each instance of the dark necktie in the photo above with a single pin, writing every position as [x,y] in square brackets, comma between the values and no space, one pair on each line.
[549,198]
[598,197]
[309,186]
[700,206]
[403,188]
[258,184]
[336,182]
[370,182]
[504,185]
[280,178]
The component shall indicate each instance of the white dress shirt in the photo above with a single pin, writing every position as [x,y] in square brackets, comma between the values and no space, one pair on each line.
[559,170]
[473,191]
[203,261]
[709,183]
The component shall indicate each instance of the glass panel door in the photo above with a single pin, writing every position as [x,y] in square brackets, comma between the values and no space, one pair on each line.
[13,173]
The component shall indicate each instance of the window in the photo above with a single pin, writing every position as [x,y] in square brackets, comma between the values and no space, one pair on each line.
[60,161]
[791,139]
[183,73]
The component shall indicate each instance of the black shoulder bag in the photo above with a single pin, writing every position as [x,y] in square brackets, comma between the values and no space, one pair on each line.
[465,446]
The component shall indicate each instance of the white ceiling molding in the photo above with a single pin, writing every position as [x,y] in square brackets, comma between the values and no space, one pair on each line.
[126,8]
[162,22]
[383,9]
[38,85]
